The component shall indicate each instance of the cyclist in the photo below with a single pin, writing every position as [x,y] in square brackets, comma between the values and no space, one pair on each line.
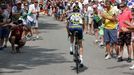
[75,24]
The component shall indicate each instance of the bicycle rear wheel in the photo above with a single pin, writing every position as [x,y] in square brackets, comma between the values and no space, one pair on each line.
[77,67]
[76,55]
[77,61]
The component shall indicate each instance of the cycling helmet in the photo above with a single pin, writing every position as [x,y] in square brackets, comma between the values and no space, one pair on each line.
[76,8]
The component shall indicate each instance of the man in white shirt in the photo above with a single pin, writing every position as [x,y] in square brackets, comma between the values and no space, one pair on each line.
[33,17]
[90,16]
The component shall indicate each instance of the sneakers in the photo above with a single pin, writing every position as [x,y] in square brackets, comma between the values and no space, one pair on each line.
[37,37]
[96,41]
[1,48]
[81,62]
[101,44]
[129,60]
[106,54]
[119,59]
[108,57]
[5,46]
[132,67]
[81,65]
[113,55]
[71,52]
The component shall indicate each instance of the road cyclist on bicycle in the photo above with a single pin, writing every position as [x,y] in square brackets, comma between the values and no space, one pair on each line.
[75,23]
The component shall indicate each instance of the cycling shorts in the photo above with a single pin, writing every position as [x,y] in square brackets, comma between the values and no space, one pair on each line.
[79,30]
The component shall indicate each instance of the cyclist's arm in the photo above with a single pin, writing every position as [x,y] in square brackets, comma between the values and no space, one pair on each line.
[67,24]
[68,33]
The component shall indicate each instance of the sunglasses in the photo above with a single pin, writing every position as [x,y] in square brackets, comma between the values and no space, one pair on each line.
[122,6]
[35,2]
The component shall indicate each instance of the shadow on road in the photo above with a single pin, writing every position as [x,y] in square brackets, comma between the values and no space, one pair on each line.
[50,24]
[28,59]
[128,73]
[80,69]
[119,66]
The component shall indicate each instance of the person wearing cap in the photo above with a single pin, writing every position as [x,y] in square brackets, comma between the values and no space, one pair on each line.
[17,11]
[124,19]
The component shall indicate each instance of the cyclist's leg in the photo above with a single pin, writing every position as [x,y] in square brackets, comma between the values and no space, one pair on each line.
[80,37]
[81,50]
[71,30]
[71,43]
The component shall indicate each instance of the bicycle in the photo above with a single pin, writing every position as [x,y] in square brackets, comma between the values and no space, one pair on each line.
[76,52]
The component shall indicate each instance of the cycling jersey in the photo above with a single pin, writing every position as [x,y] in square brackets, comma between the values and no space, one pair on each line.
[75,24]
[75,20]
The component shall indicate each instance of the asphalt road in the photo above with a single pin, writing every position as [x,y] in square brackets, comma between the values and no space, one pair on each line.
[50,55]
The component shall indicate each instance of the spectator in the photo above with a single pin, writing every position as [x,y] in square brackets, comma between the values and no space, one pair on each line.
[90,19]
[132,27]
[17,11]
[124,36]
[33,18]
[4,29]
[110,32]
[97,23]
